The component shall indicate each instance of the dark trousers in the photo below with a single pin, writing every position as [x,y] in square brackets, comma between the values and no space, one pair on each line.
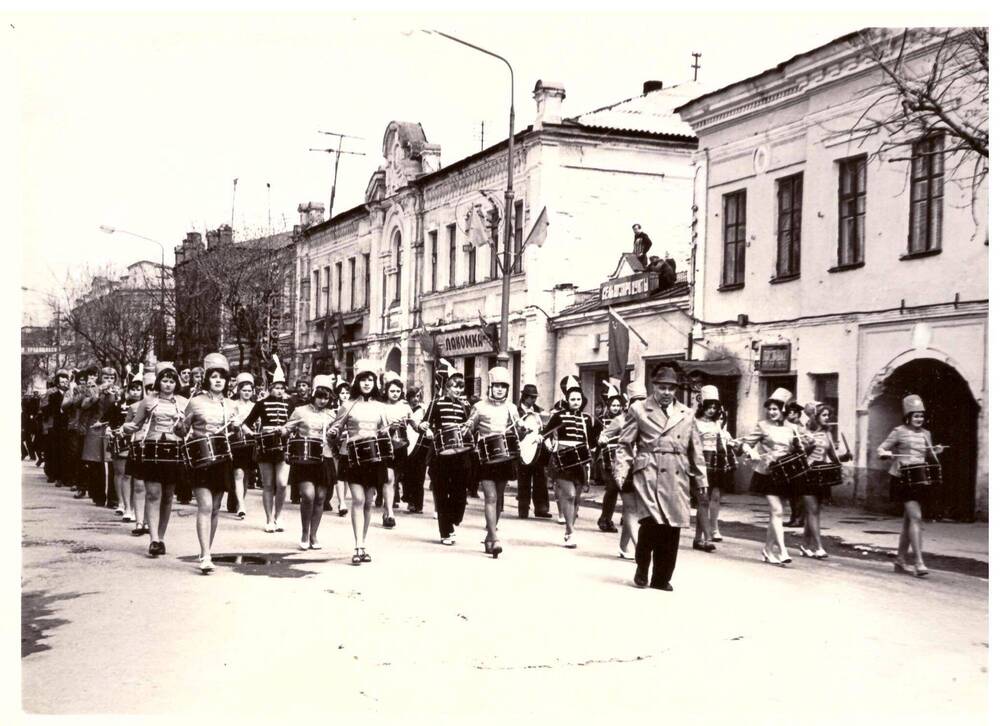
[413,479]
[659,541]
[71,463]
[532,489]
[54,442]
[100,478]
[449,481]
[610,500]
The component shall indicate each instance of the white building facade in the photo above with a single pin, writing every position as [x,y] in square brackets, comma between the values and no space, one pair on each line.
[839,275]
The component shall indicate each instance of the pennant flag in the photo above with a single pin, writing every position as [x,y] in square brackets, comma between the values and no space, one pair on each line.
[484,327]
[617,346]
[621,321]
[539,230]
[475,227]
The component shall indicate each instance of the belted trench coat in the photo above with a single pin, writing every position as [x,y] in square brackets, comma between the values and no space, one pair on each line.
[666,459]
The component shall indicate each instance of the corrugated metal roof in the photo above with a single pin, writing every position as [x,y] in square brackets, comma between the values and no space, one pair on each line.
[651,112]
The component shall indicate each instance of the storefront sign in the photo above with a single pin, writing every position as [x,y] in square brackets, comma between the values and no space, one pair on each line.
[776,358]
[633,287]
[466,342]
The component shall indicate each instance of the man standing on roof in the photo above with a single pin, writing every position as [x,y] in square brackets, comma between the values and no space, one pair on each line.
[641,244]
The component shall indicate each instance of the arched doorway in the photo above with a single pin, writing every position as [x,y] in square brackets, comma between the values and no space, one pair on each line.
[394,361]
[952,414]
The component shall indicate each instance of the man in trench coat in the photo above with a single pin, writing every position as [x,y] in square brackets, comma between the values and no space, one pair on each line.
[660,445]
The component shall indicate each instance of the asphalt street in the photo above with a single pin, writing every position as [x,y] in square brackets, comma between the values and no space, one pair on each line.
[429,632]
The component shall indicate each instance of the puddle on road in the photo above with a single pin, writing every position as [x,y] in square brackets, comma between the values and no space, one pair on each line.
[266,564]
[35,623]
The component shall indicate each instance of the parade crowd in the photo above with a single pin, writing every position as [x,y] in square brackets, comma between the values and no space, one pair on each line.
[202,434]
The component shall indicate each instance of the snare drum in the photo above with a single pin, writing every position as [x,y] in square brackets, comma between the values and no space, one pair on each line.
[569,456]
[788,470]
[207,450]
[716,462]
[606,456]
[821,476]
[135,451]
[397,433]
[372,450]
[163,451]
[304,450]
[119,443]
[450,440]
[240,443]
[269,443]
[920,474]
[497,448]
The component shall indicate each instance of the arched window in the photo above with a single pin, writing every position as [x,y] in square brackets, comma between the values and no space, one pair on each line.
[397,246]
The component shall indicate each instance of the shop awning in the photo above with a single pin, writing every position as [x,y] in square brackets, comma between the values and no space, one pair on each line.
[721,367]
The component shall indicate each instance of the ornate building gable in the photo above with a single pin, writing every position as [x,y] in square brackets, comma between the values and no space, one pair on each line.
[407,155]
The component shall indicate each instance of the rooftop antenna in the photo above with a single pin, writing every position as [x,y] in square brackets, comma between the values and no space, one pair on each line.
[336,160]
[695,65]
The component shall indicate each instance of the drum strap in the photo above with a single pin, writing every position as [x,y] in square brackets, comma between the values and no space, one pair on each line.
[930,449]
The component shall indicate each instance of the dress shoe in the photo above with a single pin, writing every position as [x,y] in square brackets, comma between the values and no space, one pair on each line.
[666,586]
[543,515]
[641,579]
[522,515]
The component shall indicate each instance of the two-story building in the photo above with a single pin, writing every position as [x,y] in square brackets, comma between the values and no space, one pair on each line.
[413,270]
[841,274]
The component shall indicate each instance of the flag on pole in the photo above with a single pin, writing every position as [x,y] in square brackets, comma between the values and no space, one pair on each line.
[617,346]
[612,315]
[539,230]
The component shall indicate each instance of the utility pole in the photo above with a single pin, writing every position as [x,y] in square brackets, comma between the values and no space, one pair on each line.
[336,160]
[695,64]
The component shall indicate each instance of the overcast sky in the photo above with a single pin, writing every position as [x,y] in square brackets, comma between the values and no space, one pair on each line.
[142,122]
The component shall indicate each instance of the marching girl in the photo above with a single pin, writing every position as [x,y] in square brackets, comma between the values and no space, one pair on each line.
[825,451]
[630,517]
[770,440]
[272,413]
[133,467]
[574,427]
[341,395]
[910,443]
[313,480]
[449,473]
[613,407]
[397,413]
[243,460]
[793,417]
[155,416]
[416,462]
[716,443]
[207,414]
[495,415]
[362,417]
[120,461]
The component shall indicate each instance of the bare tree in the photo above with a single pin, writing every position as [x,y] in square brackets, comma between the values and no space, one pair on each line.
[932,81]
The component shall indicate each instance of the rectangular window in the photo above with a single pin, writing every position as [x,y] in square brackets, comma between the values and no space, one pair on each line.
[789,226]
[518,264]
[734,237]
[926,194]
[340,285]
[326,290]
[418,272]
[434,261]
[368,278]
[470,375]
[318,295]
[354,282]
[851,211]
[452,255]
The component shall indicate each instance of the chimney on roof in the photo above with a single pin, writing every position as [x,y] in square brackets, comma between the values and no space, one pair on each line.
[650,86]
[212,237]
[311,213]
[549,96]
[225,235]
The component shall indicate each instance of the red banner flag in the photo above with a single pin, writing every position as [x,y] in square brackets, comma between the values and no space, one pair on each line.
[617,348]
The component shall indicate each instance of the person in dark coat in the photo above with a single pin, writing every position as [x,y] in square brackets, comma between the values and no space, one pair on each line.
[641,244]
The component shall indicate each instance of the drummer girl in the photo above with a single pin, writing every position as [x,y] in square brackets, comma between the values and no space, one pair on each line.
[630,512]
[273,413]
[397,413]
[716,443]
[574,428]
[210,414]
[133,476]
[910,444]
[313,480]
[156,415]
[242,458]
[494,415]
[360,418]
[341,395]
[773,439]
[825,452]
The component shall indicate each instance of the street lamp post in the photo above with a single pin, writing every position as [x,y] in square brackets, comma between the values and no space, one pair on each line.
[503,355]
[163,288]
